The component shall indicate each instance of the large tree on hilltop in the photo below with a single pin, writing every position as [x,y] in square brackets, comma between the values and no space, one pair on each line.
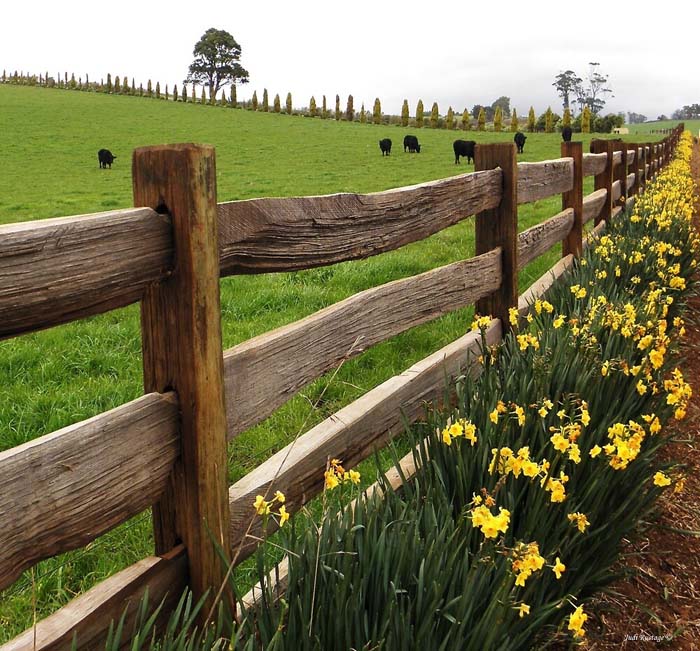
[567,84]
[216,61]
[585,92]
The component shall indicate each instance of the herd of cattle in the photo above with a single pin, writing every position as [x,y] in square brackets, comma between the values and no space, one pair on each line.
[462,148]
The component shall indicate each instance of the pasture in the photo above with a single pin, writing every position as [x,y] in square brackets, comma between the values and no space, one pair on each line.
[49,140]
[691,125]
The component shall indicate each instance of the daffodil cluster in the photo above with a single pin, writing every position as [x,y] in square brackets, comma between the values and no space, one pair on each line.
[264,507]
[526,560]
[491,525]
[335,475]
[461,428]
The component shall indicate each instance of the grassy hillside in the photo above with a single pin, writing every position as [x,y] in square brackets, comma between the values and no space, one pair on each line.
[691,125]
[48,143]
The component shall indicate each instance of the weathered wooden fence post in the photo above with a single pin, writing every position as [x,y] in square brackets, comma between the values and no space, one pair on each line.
[620,172]
[573,243]
[499,227]
[635,168]
[604,180]
[182,351]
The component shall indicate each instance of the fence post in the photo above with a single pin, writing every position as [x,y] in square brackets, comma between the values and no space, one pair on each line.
[499,227]
[621,173]
[640,168]
[573,243]
[182,351]
[604,180]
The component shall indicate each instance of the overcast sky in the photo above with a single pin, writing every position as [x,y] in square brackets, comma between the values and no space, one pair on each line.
[457,54]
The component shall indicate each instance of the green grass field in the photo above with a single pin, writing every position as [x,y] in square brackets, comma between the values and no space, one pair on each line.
[48,143]
[637,129]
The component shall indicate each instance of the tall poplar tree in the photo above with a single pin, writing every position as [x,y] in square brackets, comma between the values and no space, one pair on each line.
[481,120]
[586,120]
[498,120]
[434,116]
[419,114]
[450,119]
[466,120]
[531,120]
[566,119]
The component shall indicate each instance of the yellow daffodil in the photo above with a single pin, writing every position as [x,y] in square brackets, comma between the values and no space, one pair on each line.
[660,479]
[559,568]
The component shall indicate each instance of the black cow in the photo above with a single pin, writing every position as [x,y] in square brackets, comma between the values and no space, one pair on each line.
[410,144]
[385,146]
[566,134]
[106,158]
[464,148]
[519,140]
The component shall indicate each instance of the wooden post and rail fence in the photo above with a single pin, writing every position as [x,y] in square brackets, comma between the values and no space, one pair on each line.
[167,450]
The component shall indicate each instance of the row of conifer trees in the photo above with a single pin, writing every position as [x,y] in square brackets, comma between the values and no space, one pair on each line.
[121,86]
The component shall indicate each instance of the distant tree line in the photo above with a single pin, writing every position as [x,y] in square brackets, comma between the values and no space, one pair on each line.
[496,116]
[636,118]
[689,112]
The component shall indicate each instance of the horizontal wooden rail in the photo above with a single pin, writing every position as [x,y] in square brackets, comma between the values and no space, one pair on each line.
[55,271]
[617,158]
[616,191]
[592,203]
[543,283]
[88,617]
[352,434]
[263,373]
[631,154]
[63,490]
[541,237]
[630,180]
[544,179]
[594,163]
[268,235]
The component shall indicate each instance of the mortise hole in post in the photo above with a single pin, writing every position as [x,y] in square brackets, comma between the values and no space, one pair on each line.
[161,208]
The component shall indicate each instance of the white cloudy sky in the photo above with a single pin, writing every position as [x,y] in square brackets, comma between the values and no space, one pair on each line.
[457,54]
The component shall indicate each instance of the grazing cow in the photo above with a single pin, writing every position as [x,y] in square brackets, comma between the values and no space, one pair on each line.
[519,140]
[106,158]
[385,146]
[410,144]
[464,148]
[566,134]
